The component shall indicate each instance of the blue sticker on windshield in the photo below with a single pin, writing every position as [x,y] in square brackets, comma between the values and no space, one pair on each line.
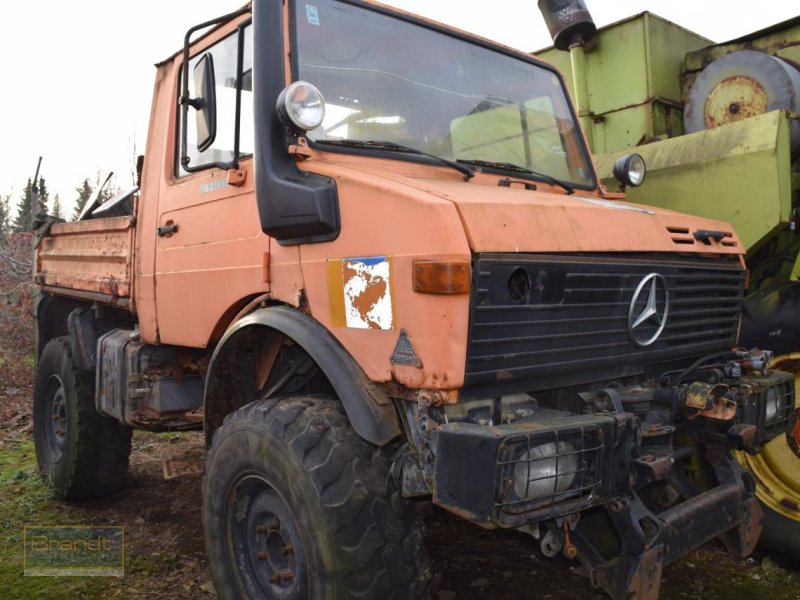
[312,14]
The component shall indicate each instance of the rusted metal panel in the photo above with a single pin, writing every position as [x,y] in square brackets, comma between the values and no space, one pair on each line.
[781,40]
[91,256]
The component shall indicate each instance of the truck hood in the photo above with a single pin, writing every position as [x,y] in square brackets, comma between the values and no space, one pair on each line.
[503,219]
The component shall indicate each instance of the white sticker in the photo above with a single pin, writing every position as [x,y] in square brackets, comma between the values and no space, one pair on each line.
[312,15]
[367,292]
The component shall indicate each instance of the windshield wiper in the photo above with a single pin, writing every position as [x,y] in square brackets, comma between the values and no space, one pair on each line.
[467,172]
[518,168]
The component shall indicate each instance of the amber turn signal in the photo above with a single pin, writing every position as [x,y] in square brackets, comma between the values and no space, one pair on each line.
[441,277]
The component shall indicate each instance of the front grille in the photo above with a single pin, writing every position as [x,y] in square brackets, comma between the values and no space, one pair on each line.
[539,322]
[550,473]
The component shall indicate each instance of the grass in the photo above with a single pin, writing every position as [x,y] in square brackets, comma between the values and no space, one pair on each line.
[24,500]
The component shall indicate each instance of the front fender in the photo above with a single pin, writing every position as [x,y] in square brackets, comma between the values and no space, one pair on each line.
[370,411]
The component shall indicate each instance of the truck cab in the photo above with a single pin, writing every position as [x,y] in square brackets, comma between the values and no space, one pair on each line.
[371,259]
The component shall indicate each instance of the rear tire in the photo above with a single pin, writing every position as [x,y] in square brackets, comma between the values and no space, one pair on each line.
[81,453]
[296,505]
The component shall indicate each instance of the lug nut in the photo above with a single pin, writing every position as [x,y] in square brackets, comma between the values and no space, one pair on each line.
[261,555]
[287,549]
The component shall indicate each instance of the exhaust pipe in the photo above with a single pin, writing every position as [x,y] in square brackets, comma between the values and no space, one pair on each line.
[571,26]
[569,22]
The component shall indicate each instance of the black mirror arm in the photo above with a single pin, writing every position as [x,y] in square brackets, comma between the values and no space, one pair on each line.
[195,103]
[185,100]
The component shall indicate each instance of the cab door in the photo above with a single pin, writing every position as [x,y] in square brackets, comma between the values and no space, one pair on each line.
[210,251]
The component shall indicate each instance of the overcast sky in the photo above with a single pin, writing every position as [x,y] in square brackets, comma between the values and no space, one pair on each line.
[78,75]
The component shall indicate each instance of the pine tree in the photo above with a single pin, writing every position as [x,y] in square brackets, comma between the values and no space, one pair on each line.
[4,216]
[85,192]
[22,222]
[57,211]
[44,196]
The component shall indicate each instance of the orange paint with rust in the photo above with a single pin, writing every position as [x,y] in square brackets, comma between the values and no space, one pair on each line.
[90,256]
[186,287]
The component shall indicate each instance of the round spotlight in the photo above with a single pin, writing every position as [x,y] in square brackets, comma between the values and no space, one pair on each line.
[630,170]
[545,471]
[301,105]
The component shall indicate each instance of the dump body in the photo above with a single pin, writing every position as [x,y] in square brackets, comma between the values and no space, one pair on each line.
[93,259]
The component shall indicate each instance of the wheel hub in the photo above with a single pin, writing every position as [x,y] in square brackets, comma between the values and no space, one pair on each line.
[277,552]
[56,418]
[263,531]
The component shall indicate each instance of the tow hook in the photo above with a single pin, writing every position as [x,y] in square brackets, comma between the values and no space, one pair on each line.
[570,551]
[551,542]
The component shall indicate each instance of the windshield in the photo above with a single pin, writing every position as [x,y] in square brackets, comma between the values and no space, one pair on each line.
[387,79]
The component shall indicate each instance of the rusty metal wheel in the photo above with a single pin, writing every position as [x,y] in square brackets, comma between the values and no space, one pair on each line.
[777,472]
[55,418]
[263,532]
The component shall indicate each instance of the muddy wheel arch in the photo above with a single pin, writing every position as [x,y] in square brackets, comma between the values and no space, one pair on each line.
[245,354]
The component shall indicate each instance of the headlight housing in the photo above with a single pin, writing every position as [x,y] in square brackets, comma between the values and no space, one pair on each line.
[630,169]
[774,403]
[301,105]
[768,402]
[544,466]
[554,471]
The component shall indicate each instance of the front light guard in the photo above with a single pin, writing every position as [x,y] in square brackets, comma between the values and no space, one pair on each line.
[768,402]
[564,471]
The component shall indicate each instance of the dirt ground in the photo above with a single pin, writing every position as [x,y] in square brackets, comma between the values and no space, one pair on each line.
[164,540]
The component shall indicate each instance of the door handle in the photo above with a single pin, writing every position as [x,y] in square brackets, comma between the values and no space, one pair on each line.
[168,229]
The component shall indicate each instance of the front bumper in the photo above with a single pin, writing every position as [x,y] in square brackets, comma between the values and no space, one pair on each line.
[607,466]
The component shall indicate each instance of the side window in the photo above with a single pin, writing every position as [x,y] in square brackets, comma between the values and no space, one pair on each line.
[227,76]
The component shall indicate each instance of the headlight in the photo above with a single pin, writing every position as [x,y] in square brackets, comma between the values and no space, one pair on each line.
[301,105]
[767,401]
[630,170]
[545,474]
[777,405]
[545,470]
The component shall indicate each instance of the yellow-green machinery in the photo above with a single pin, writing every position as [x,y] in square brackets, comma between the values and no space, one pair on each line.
[718,127]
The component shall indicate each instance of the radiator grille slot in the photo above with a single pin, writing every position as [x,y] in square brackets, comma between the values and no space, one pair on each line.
[574,321]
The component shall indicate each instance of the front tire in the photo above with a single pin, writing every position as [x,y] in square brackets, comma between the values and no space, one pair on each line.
[296,505]
[81,453]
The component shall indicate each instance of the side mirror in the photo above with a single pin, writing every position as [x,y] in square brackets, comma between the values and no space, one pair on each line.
[205,103]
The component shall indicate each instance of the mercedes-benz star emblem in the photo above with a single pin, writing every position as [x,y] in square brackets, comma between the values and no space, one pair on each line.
[647,314]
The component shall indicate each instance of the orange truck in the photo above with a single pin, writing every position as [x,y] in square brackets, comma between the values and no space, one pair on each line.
[371,260]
